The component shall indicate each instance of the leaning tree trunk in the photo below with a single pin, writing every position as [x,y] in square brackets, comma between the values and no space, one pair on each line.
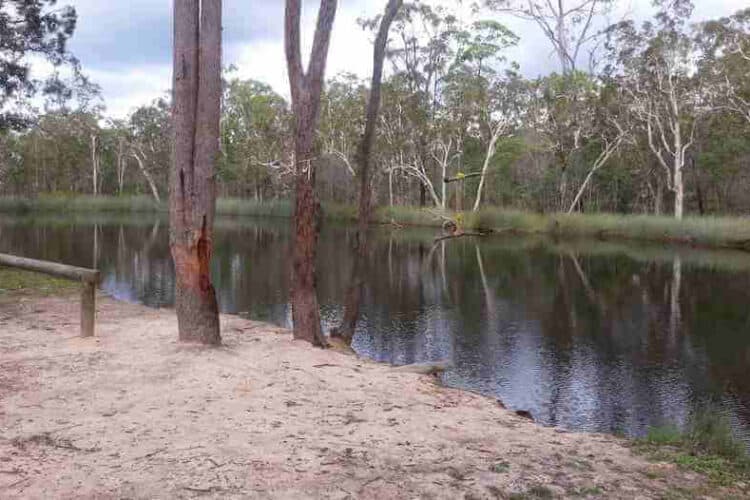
[306,88]
[196,112]
[146,175]
[353,298]
[491,148]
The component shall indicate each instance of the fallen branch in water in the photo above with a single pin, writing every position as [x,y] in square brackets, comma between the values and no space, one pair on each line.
[458,235]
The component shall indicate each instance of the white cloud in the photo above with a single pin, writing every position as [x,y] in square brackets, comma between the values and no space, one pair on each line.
[255,43]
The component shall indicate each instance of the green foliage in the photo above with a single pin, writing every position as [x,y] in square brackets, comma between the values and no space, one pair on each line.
[666,434]
[711,432]
[32,28]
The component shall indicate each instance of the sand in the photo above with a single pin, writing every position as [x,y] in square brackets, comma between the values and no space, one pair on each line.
[134,414]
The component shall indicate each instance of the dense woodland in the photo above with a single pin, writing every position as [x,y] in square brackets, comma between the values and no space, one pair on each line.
[637,117]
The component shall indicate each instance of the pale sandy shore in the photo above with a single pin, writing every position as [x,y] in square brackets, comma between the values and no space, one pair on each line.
[134,414]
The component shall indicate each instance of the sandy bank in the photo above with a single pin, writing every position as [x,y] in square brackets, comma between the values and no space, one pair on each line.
[133,414]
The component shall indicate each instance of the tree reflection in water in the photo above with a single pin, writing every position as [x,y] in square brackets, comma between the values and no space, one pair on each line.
[595,336]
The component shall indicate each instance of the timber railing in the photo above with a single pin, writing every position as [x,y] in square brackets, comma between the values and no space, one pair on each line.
[89,279]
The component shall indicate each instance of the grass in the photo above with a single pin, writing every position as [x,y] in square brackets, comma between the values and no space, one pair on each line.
[727,232]
[64,203]
[16,280]
[707,446]
[537,491]
[720,232]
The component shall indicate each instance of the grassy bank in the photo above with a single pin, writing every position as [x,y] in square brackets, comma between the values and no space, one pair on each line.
[707,446]
[17,281]
[722,232]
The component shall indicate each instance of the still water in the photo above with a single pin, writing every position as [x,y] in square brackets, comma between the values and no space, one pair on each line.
[585,335]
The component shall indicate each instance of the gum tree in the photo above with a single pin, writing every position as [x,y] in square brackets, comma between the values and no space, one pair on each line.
[32,28]
[654,66]
[196,114]
[306,87]
[364,164]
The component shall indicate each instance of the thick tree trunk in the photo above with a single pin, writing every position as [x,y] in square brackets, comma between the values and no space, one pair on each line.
[305,310]
[196,114]
[306,88]
[353,298]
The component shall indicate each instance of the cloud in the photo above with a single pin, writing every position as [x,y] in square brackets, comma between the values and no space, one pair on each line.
[126,46]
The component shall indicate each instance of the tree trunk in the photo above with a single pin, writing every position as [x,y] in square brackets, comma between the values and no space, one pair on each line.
[487,159]
[658,197]
[149,179]
[306,88]
[196,113]
[353,298]
[120,166]
[679,192]
[94,165]
[598,163]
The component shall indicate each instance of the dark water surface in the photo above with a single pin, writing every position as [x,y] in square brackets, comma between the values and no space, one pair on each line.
[585,335]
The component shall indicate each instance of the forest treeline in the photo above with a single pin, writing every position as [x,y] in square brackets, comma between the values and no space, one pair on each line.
[639,117]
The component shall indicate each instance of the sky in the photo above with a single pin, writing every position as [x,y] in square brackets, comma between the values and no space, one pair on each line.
[125,46]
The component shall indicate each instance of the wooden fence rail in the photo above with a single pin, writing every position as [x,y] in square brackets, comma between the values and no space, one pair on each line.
[89,279]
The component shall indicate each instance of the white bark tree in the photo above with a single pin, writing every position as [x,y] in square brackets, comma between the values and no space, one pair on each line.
[570,25]
[655,68]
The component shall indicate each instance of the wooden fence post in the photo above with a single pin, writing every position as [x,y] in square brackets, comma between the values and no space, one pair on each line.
[89,279]
[88,308]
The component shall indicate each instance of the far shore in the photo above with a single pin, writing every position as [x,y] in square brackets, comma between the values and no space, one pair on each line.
[133,413]
[725,232]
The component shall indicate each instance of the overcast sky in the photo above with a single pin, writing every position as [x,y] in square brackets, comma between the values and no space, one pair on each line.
[125,47]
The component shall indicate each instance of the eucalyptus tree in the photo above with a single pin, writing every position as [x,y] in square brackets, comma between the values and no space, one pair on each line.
[254,127]
[32,29]
[306,87]
[725,61]
[654,65]
[364,163]
[421,53]
[150,128]
[342,119]
[448,66]
[196,117]
[571,26]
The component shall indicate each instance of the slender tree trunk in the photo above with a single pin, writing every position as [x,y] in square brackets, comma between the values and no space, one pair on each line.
[120,167]
[196,113]
[149,179]
[658,197]
[390,186]
[600,161]
[306,88]
[94,165]
[485,167]
[356,283]
[679,191]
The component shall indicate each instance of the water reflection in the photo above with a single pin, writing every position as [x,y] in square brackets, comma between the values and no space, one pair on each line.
[588,336]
